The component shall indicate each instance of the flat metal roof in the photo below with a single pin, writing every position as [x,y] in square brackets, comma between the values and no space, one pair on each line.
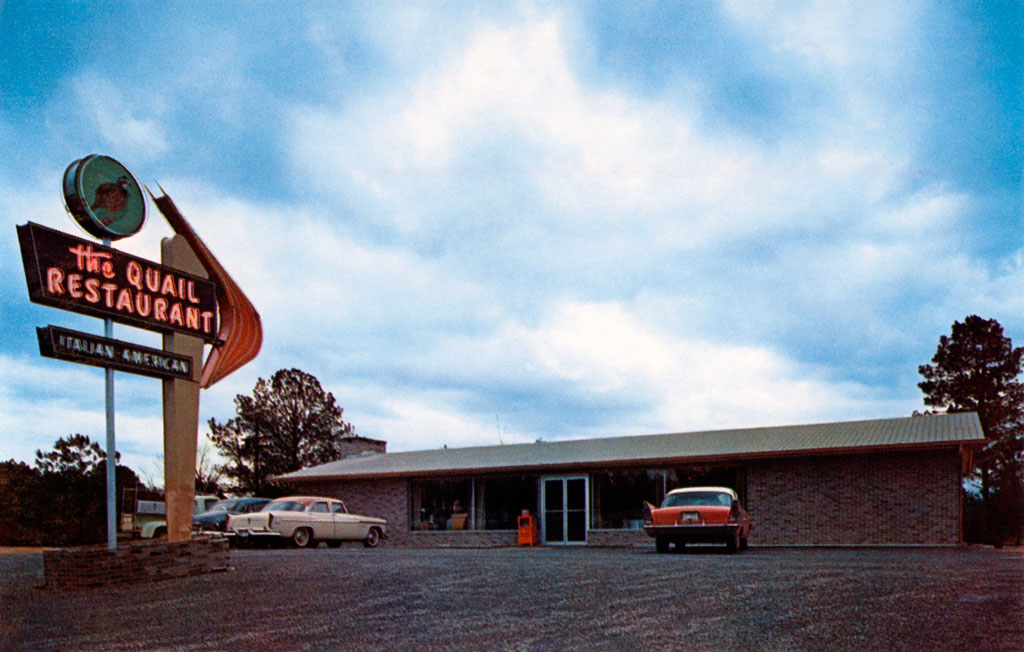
[907,433]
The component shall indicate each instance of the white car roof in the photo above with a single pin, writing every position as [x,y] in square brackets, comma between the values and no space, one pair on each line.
[685,490]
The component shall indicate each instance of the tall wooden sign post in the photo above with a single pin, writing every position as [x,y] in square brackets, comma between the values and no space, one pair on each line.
[181,409]
[189,298]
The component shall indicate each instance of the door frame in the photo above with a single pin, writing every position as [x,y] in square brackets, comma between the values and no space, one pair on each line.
[565,508]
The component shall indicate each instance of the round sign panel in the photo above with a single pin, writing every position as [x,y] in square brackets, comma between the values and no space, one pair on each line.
[103,197]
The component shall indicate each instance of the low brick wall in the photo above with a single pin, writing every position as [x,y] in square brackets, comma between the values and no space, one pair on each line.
[618,538]
[138,561]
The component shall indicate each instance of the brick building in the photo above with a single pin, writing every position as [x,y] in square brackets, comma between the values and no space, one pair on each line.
[880,482]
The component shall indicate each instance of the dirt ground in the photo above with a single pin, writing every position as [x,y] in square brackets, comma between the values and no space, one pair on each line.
[539,599]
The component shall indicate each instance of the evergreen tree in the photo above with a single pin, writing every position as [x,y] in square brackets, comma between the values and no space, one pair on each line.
[61,502]
[976,369]
[288,423]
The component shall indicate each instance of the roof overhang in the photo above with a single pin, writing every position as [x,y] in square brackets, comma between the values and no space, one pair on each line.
[611,464]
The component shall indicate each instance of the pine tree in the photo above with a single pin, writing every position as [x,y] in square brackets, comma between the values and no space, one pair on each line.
[976,369]
[288,423]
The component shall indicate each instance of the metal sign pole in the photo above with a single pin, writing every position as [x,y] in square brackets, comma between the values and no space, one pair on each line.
[108,331]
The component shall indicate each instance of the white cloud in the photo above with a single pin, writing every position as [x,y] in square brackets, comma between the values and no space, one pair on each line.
[594,164]
[429,420]
[116,115]
[613,354]
[829,33]
[695,383]
[42,401]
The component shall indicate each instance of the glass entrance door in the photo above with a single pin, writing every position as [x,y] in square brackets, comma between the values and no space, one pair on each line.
[565,510]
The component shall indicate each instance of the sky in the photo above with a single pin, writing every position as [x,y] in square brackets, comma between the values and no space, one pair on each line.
[494,223]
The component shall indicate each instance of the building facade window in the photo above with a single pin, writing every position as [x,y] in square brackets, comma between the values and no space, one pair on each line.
[500,501]
[440,504]
[617,497]
[471,503]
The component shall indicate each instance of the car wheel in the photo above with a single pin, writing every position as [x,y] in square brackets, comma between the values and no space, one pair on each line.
[302,537]
[372,538]
[733,543]
[661,544]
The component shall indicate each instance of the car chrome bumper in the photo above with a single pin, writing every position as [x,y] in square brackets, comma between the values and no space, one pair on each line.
[245,533]
[694,533]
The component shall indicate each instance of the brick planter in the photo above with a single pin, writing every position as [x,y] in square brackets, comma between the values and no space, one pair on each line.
[137,561]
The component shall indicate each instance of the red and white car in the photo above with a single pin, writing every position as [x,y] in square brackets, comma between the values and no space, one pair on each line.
[698,515]
[305,521]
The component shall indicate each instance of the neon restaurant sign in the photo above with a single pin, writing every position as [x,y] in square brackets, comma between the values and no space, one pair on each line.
[67,272]
[73,274]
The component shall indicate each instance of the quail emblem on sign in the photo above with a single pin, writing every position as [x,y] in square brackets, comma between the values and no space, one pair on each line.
[104,198]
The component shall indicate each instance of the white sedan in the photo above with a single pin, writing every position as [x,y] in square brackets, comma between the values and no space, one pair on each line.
[306,521]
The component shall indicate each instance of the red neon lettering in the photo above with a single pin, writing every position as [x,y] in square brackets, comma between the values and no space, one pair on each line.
[54,281]
[176,317]
[143,304]
[124,300]
[88,260]
[75,285]
[92,290]
[192,292]
[192,318]
[108,293]
[134,273]
[168,286]
[160,309]
[152,279]
[207,318]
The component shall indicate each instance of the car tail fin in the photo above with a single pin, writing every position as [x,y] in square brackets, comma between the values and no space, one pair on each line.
[648,512]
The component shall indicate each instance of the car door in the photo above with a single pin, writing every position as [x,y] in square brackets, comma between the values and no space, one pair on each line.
[346,526]
[321,520]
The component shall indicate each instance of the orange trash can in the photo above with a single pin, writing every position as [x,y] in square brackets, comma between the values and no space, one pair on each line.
[529,535]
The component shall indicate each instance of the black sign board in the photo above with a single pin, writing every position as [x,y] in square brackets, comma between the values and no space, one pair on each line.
[81,276]
[65,344]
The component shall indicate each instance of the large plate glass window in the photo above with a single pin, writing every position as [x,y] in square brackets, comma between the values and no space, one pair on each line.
[440,504]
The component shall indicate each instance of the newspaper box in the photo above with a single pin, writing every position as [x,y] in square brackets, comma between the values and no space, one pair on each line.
[528,532]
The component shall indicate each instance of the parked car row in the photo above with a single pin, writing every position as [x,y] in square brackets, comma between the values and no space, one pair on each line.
[686,515]
[216,518]
[147,519]
[303,521]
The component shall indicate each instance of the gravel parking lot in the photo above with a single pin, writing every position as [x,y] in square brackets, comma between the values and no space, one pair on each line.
[539,599]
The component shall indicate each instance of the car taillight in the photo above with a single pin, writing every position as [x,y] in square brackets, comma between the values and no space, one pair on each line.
[734,513]
[648,513]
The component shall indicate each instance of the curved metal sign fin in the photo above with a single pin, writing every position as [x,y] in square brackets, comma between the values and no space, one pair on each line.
[241,332]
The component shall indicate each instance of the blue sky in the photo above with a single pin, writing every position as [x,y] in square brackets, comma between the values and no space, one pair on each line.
[480,223]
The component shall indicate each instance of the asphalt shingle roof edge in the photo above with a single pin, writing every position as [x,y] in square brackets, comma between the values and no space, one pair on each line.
[926,431]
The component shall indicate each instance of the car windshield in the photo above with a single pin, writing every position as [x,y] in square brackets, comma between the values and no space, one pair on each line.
[222,506]
[284,506]
[698,499]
